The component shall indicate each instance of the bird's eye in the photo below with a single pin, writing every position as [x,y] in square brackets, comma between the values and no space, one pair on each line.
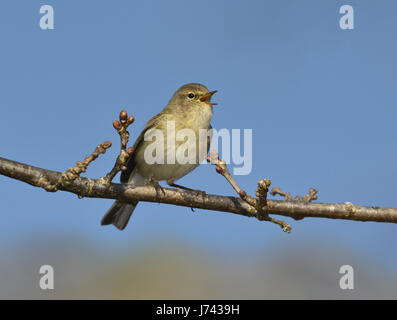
[190,95]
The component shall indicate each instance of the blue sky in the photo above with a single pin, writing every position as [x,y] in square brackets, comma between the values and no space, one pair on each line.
[321,102]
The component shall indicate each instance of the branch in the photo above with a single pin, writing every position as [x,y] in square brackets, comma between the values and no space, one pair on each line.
[121,127]
[90,188]
[260,207]
[260,204]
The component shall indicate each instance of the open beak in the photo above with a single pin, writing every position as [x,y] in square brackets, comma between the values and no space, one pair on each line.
[207,97]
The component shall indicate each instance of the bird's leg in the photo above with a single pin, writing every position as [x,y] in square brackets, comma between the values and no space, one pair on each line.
[157,186]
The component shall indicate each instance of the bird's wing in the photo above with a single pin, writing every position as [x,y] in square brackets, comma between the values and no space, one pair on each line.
[131,161]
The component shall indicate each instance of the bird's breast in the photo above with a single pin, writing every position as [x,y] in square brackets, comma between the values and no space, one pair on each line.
[165,170]
[200,118]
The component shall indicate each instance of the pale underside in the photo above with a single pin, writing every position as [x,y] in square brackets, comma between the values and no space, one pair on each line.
[144,173]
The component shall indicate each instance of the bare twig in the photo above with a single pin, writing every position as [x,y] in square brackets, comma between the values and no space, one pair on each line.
[68,176]
[261,192]
[121,127]
[259,204]
[260,207]
[312,195]
[91,188]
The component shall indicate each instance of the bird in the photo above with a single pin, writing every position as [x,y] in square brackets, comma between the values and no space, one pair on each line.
[191,108]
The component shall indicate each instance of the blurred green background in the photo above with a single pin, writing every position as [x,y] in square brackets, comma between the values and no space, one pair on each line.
[170,268]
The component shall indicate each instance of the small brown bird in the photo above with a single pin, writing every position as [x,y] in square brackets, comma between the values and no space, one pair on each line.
[189,108]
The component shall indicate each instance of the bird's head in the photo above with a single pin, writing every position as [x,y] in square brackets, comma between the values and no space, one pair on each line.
[193,95]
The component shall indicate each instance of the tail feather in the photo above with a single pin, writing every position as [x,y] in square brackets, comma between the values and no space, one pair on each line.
[119,214]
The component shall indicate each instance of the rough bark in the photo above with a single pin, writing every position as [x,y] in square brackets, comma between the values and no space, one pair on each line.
[297,209]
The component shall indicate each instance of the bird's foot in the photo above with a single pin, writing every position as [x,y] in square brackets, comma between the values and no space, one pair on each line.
[158,187]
